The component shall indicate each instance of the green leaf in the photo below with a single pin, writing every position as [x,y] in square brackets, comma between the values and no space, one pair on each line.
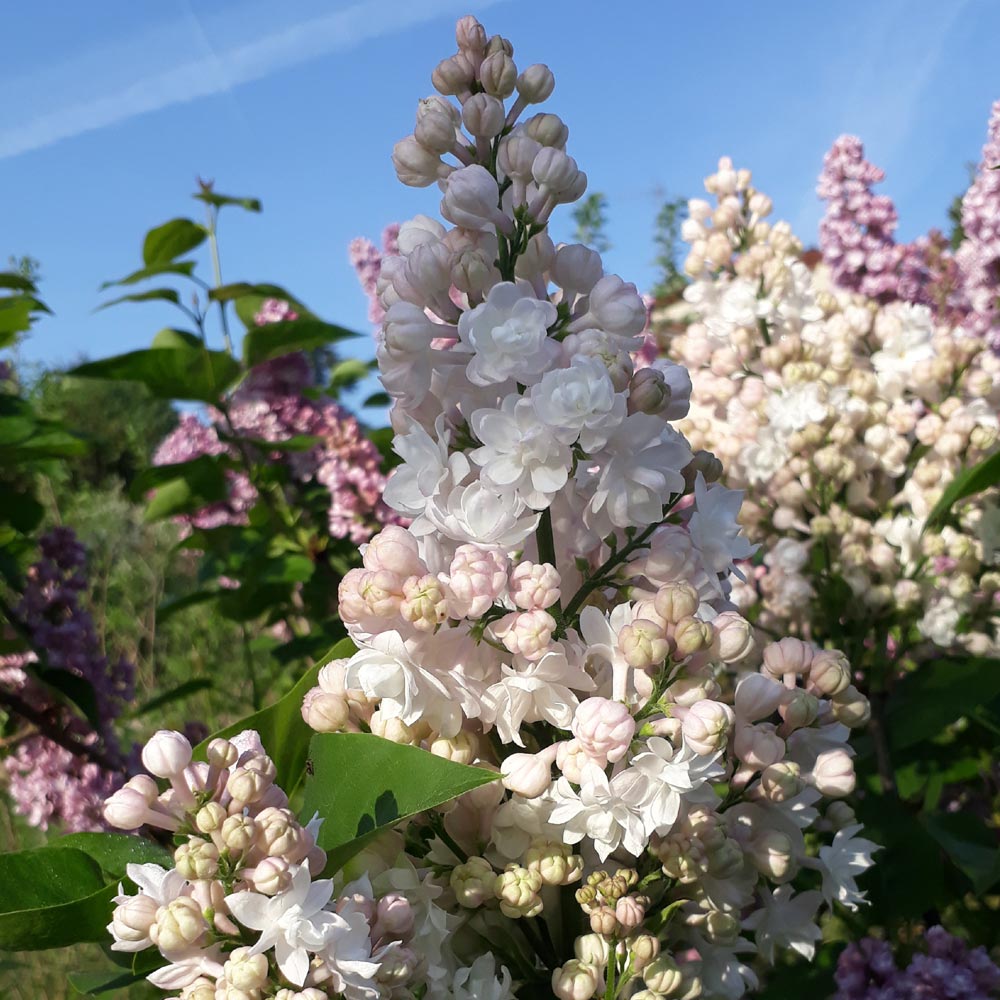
[178,693]
[169,337]
[74,689]
[348,372]
[162,294]
[281,728]
[169,373]
[927,700]
[378,399]
[221,200]
[115,851]
[164,244]
[970,846]
[194,469]
[362,784]
[184,268]
[52,897]
[968,481]
[16,281]
[98,984]
[175,605]
[261,343]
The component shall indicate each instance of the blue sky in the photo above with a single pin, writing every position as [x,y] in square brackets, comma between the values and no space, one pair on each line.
[111,110]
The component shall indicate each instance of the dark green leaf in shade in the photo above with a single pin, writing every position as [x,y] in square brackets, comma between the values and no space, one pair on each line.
[966,482]
[274,340]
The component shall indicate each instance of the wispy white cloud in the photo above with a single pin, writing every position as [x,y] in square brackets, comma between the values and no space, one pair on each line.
[129,77]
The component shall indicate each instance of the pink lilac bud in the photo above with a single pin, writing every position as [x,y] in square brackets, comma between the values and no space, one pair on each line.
[527,633]
[555,170]
[473,882]
[518,891]
[453,76]
[166,754]
[246,785]
[570,759]
[476,578]
[798,710]
[131,921]
[691,636]
[603,729]
[706,726]
[758,746]
[246,971]
[470,200]
[787,656]
[548,130]
[663,976]
[851,708]
[534,586]
[630,912]
[238,833]
[394,549]
[575,981]
[498,75]
[648,392]
[416,166]
[221,754]
[393,917]
[603,920]
[773,856]
[528,774]
[833,774]
[483,116]
[178,926]
[435,131]
[617,306]
[271,876]
[758,696]
[577,268]
[535,84]
[470,36]
[325,713]
[734,639]
[781,781]
[126,809]
[829,673]
[643,644]
[424,604]
[676,601]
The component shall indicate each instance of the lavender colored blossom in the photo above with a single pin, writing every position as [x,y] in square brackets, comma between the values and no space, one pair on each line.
[48,781]
[946,970]
[978,256]
[366,259]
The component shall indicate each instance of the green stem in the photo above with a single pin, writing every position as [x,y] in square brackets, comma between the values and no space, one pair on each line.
[213,243]
[251,670]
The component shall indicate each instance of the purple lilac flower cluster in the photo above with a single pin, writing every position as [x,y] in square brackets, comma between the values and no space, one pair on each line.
[366,259]
[978,256]
[946,970]
[63,778]
[859,247]
[272,405]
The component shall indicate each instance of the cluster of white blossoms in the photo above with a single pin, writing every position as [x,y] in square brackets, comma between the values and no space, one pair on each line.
[844,419]
[558,609]
[242,915]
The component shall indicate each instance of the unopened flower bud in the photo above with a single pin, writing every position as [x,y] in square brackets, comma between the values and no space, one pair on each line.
[452,76]
[604,729]
[772,854]
[592,949]
[131,921]
[787,656]
[528,774]
[518,891]
[630,912]
[734,638]
[393,917]
[126,809]
[706,726]
[603,920]
[483,116]
[851,708]
[575,981]
[648,392]
[534,586]
[424,604]
[210,817]
[833,774]
[246,971]
[325,713]
[643,949]
[662,976]
[247,785]
[462,748]
[498,75]
[840,814]
[758,746]
[721,928]
[535,84]
[416,166]
[781,781]
[238,833]
[547,130]
[528,633]
[473,882]
[197,859]
[221,754]
[676,601]
[643,644]
[829,673]
[179,925]
[271,876]
[799,710]
[166,754]
[691,635]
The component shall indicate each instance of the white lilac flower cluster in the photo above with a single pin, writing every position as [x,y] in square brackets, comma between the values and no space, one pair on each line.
[242,915]
[558,609]
[844,419]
